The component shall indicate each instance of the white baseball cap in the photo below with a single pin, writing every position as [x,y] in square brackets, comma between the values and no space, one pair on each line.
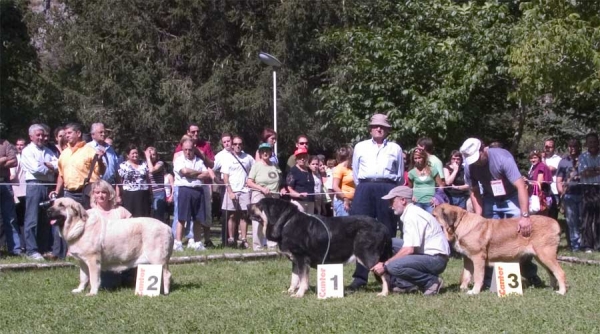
[470,150]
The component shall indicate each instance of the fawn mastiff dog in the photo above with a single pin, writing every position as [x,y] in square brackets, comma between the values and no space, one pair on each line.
[307,239]
[111,244]
[483,241]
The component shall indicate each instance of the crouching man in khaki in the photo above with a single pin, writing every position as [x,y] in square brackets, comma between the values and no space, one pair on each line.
[422,255]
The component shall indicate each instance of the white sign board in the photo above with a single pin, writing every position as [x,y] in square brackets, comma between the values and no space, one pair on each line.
[330,281]
[506,279]
[148,281]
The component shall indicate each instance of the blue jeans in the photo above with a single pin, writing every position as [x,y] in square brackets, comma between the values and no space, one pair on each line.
[506,208]
[418,270]
[425,206]
[37,228]
[460,201]
[9,220]
[338,208]
[573,210]
[159,205]
[188,229]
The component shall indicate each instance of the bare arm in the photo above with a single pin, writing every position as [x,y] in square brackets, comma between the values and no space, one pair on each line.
[476,200]
[559,185]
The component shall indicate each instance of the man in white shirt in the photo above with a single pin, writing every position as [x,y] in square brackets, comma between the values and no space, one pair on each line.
[220,158]
[552,160]
[40,166]
[237,198]
[422,255]
[189,171]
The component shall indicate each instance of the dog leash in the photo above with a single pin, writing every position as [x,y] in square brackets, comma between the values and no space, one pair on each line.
[328,235]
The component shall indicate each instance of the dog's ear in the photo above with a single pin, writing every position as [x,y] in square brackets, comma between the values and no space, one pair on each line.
[80,211]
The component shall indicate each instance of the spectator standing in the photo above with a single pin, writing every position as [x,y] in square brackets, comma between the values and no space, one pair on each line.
[300,181]
[313,164]
[301,142]
[109,158]
[504,193]
[156,174]
[134,182]
[60,141]
[540,177]
[220,158]
[426,144]
[235,202]
[423,179]
[589,171]
[17,176]
[567,183]
[74,165]
[377,167]
[454,176]
[40,165]
[268,136]
[189,171]
[552,160]
[8,159]
[343,182]
[264,180]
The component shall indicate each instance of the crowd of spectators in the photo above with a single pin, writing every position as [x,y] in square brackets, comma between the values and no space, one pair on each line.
[185,193]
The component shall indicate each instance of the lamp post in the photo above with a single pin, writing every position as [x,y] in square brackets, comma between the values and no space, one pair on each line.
[269,60]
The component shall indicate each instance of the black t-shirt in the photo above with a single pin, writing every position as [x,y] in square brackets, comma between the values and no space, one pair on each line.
[459,180]
[302,182]
[565,170]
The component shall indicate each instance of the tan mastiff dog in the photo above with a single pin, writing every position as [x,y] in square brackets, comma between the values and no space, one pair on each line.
[111,244]
[483,241]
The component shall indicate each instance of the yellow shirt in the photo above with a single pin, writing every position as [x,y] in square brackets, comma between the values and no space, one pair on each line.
[74,165]
[347,180]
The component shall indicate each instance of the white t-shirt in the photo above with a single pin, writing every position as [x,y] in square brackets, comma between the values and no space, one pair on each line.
[181,162]
[553,162]
[238,174]
[423,232]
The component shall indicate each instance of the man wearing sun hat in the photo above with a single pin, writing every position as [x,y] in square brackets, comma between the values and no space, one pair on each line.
[422,255]
[377,166]
[504,192]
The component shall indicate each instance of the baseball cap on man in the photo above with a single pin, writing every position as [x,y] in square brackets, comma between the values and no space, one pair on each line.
[381,120]
[300,150]
[400,191]
[470,150]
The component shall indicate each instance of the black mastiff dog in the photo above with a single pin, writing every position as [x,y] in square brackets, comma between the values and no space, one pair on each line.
[307,239]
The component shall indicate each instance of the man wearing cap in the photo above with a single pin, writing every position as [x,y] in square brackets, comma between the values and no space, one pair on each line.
[422,255]
[504,192]
[377,167]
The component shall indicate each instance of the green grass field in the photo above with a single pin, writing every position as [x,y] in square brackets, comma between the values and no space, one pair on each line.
[248,297]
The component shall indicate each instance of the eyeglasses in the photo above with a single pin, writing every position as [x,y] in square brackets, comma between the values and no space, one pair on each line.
[236,144]
[195,131]
[303,143]
[549,146]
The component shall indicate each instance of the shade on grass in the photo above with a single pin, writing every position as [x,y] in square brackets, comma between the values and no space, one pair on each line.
[248,297]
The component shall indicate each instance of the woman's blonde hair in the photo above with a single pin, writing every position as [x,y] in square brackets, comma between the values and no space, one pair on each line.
[104,187]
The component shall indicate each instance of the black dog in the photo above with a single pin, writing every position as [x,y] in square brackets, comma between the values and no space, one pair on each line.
[307,239]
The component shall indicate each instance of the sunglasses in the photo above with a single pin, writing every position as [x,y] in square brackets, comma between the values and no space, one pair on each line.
[549,146]
[195,131]
[236,144]
[303,143]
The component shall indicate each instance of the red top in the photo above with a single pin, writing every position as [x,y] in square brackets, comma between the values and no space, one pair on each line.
[203,146]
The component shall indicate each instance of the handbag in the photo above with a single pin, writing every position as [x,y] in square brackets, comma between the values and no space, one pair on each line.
[536,200]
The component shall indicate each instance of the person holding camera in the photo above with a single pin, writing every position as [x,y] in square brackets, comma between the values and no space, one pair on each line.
[40,165]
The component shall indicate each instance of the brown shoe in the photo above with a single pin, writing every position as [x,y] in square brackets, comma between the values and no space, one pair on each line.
[50,257]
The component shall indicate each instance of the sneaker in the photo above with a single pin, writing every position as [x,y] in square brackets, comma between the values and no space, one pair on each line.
[50,257]
[209,244]
[588,251]
[231,243]
[197,246]
[191,243]
[35,256]
[258,249]
[243,244]
[177,246]
[435,288]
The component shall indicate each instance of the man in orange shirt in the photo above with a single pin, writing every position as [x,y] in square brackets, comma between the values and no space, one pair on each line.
[74,166]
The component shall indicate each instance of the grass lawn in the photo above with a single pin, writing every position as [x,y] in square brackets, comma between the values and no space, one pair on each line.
[248,297]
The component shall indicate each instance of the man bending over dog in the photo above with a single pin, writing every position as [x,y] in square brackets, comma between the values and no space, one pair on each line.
[504,193]
[422,255]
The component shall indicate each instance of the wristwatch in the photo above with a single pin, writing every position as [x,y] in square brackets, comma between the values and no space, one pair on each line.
[525,215]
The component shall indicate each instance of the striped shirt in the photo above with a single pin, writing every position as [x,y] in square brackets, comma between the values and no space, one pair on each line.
[157,179]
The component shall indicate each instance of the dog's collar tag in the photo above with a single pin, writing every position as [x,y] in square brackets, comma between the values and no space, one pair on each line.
[498,188]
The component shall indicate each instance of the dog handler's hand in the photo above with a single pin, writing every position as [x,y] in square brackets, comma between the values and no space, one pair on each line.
[524,226]
[378,269]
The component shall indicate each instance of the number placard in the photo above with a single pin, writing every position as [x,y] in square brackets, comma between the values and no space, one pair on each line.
[148,281]
[506,279]
[330,281]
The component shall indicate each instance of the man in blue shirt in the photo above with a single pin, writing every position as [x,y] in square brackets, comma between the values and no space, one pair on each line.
[111,159]
[378,167]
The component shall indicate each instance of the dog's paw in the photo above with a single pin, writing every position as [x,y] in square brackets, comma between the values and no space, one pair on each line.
[290,291]
[382,294]
[78,290]
[562,293]
[472,292]
[90,294]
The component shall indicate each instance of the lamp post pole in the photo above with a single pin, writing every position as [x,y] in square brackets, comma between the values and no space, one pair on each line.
[270,60]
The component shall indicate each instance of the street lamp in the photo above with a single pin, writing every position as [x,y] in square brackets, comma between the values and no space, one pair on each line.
[269,60]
